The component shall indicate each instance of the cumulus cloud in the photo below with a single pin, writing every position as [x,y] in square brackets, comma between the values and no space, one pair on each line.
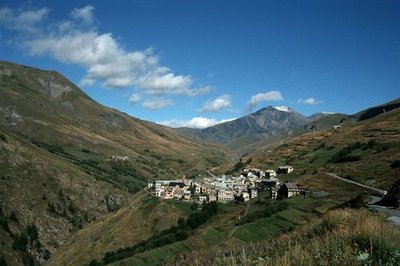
[85,14]
[261,97]
[105,60]
[134,99]
[221,102]
[309,101]
[22,20]
[157,103]
[195,122]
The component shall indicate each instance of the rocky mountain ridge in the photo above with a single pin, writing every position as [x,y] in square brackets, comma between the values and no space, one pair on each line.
[272,122]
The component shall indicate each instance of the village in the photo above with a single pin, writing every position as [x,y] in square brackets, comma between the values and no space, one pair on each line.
[225,189]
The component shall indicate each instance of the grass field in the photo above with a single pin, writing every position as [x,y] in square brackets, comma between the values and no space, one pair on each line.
[261,229]
[156,256]
[338,238]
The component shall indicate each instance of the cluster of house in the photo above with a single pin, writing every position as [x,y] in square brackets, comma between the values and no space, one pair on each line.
[224,189]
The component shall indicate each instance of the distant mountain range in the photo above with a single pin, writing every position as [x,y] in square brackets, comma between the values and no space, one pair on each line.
[273,124]
[267,123]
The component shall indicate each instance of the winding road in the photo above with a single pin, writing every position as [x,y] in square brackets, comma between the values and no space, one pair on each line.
[383,192]
[393,215]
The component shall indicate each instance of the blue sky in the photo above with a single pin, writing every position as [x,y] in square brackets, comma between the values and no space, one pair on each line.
[195,63]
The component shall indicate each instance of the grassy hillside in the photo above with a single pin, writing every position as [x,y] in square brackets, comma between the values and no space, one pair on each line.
[339,238]
[45,107]
[143,216]
[362,152]
[61,160]
[43,199]
[236,225]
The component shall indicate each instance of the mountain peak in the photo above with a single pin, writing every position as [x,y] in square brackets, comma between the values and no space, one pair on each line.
[283,108]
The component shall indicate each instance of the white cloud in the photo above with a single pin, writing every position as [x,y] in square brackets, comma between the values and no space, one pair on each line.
[134,99]
[195,122]
[261,97]
[22,20]
[157,103]
[100,54]
[85,14]
[87,82]
[309,101]
[222,102]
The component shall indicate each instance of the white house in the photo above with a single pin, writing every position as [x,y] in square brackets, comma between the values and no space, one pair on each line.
[270,173]
[284,169]
[246,196]
[225,196]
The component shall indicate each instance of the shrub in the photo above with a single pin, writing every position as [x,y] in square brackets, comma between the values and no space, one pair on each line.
[320,146]
[238,166]
[51,206]
[3,261]
[395,164]
[194,206]
[357,202]
[20,242]
[383,147]
[4,225]
[27,259]
[32,232]
[343,155]
[370,144]
[282,205]
[13,216]
[94,263]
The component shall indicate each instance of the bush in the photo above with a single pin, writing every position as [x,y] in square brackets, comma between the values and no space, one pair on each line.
[20,242]
[13,216]
[320,146]
[395,164]
[282,205]
[357,202]
[3,261]
[51,206]
[4,225]
[194,206]
[238,166]
[383,147]
[32,232]
[343,155]
[370,144]
[94,263]
[27,259]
